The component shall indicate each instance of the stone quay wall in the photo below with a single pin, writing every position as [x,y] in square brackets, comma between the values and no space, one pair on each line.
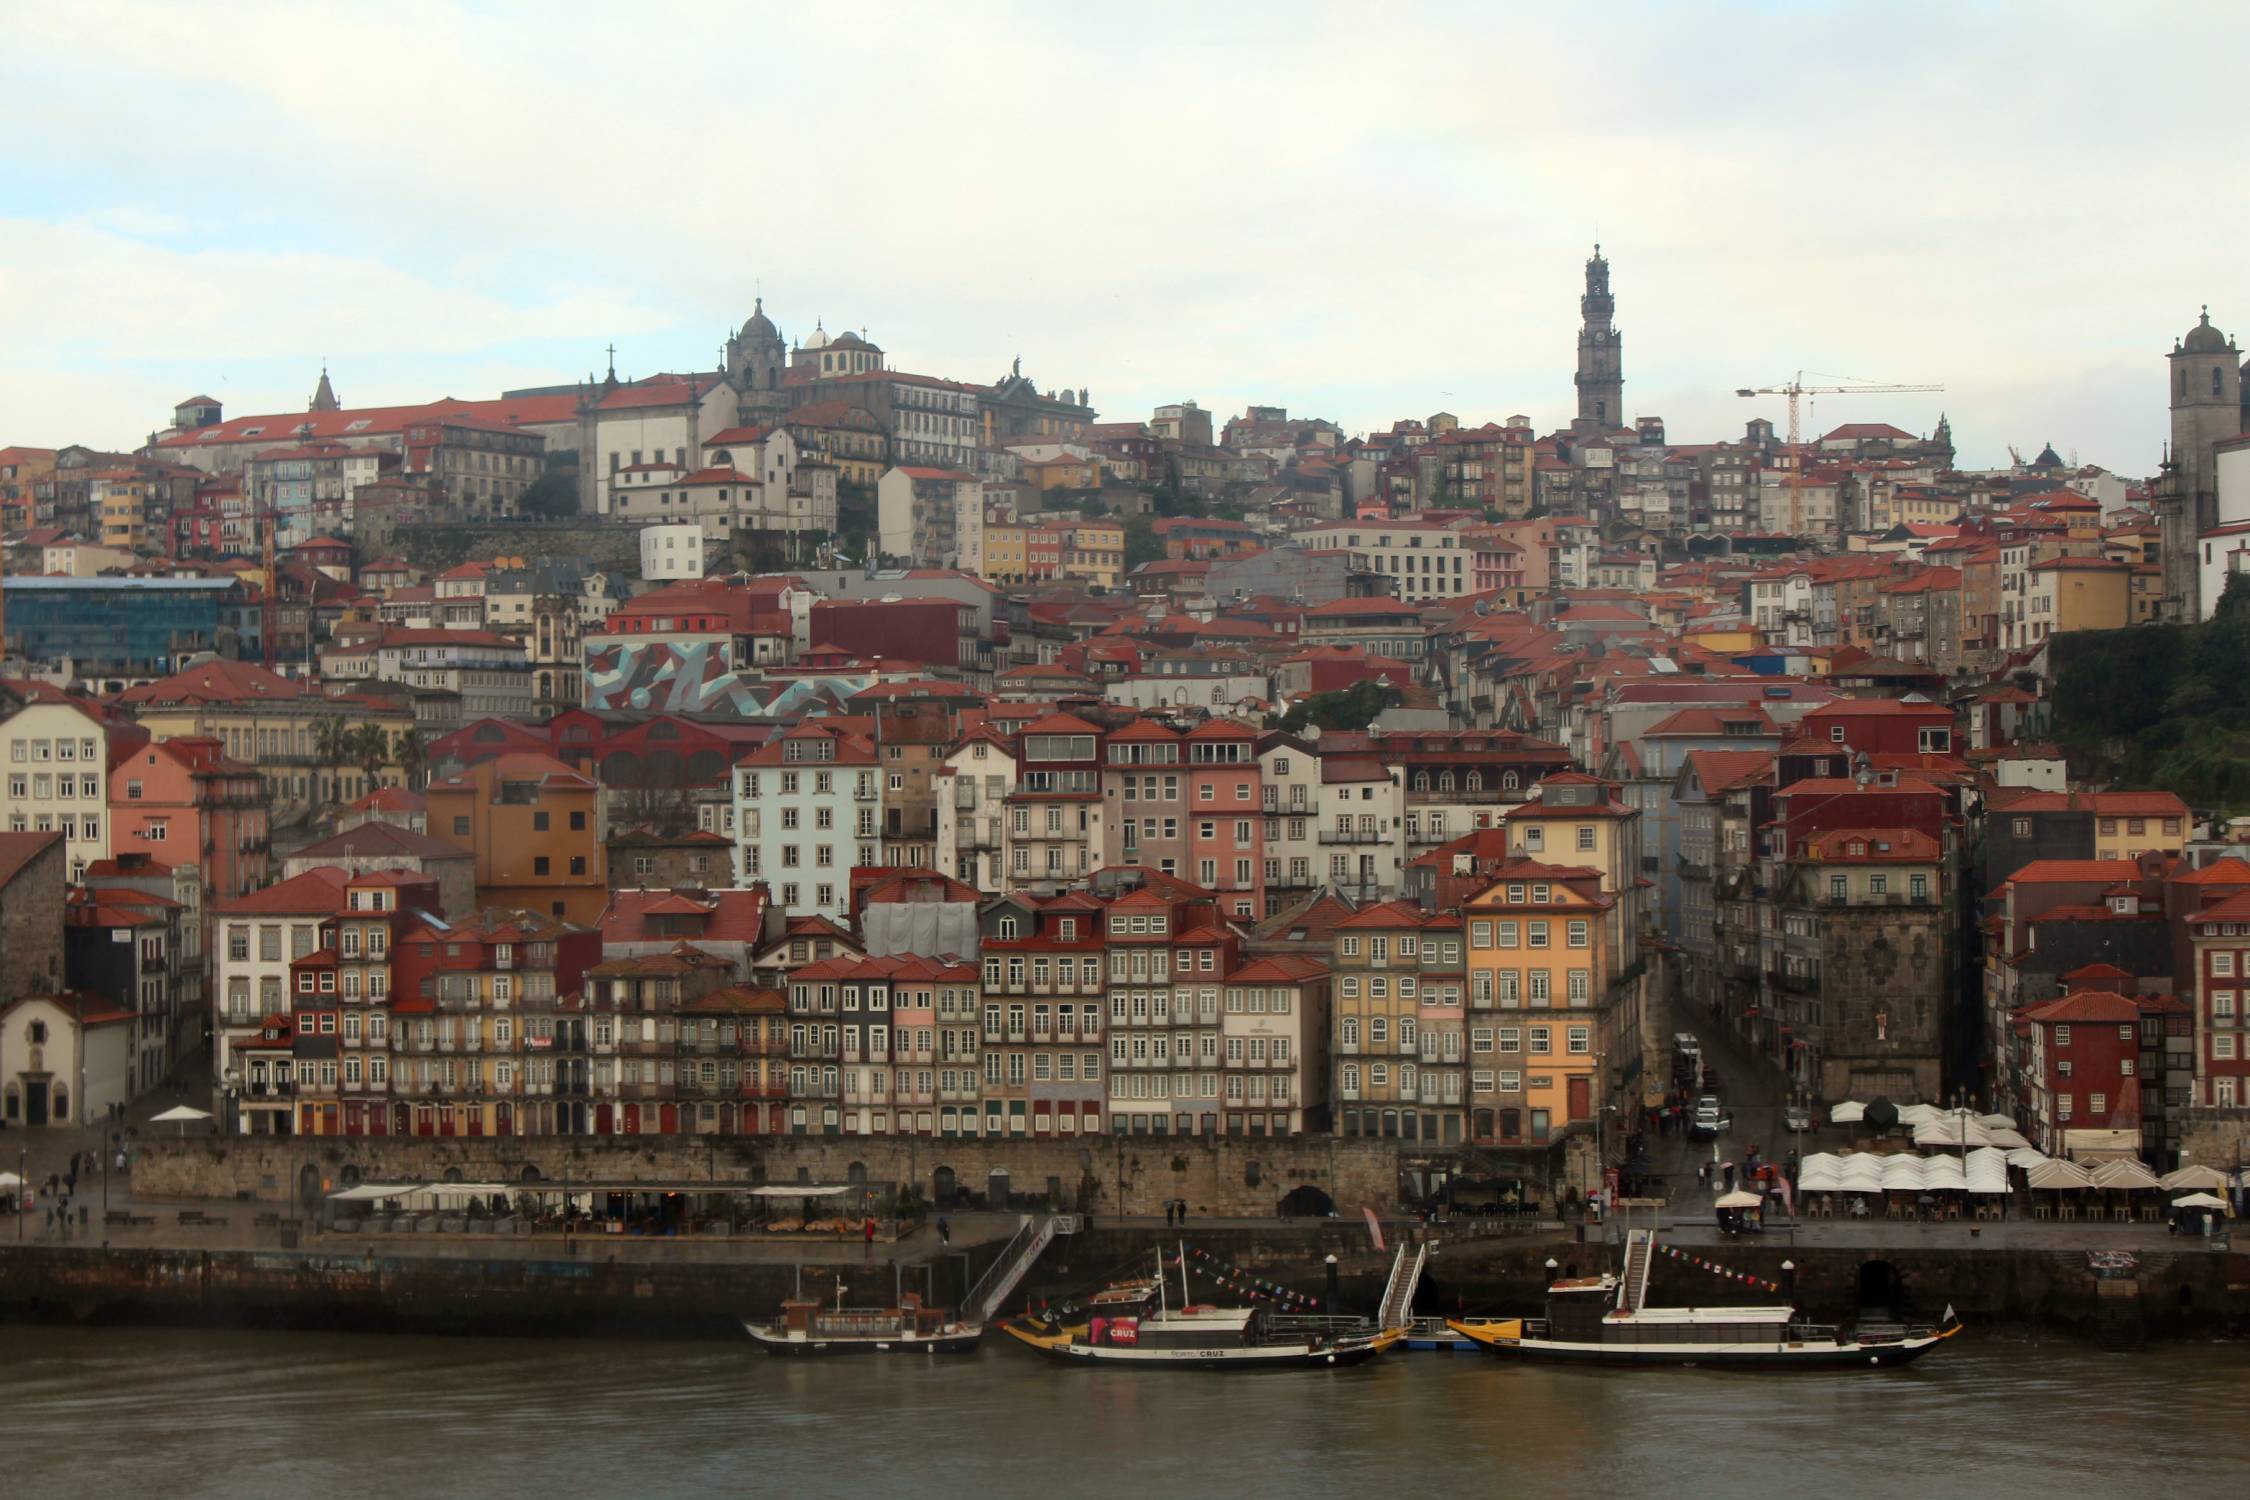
[1100,1174]
[1998,1292]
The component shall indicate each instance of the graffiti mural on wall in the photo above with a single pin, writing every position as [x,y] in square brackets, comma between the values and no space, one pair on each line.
[668,677]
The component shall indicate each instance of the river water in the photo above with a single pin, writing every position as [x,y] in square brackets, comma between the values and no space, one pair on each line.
[130,1413]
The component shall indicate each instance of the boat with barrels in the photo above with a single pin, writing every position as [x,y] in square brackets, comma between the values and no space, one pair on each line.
[1606,1319]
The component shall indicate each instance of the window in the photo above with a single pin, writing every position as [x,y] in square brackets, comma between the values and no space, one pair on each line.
[1580,934]
[2062,1036]
[1586,837]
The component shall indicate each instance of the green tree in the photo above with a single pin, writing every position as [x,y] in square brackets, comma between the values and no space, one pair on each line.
[370,750]
[332,751]
[1346,709]
[413,751]
[552,495]
[1142,545]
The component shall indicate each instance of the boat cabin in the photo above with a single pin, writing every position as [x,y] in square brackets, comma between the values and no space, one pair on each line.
[1131,1317]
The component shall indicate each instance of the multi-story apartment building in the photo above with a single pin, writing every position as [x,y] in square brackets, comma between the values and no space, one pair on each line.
[1576,819]
[973,785]
[1290,787]
[1043,1000]
[1424,561]
[184,801]
[1855,964]
[474,1022]
[258,936]
[1541,960]
[58,775]
[1442,1035]
[1377,1017]
[805,813]
[534,826]
[1273,1045]
[876,1023]
[2219,938]
[659,1088]
[1056,827]
[1168,959]
[1188,805]
[1457,781]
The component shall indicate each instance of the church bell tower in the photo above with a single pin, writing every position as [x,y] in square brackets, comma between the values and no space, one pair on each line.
[1601,353]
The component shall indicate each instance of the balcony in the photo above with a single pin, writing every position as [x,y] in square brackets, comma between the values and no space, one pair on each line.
[1354,836]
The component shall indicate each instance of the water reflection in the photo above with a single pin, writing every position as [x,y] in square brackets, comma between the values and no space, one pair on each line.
[255,1415]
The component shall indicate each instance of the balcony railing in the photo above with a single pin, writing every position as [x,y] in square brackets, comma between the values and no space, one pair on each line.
[1354,836]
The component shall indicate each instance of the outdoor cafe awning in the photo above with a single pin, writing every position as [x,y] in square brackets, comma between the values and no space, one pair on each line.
[796,1191]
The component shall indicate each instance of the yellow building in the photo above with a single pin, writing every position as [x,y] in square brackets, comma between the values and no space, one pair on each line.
[1007,552]
[1064,471]
[2130,824]
[1540,965]
[2078,593]
[1095,551]
[1375,1024]
[120,501]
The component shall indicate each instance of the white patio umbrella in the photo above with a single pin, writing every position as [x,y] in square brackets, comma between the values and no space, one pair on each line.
[1739,1199]
[2200,1200]
[2196,1179]
[180,1115]
[1847,1113]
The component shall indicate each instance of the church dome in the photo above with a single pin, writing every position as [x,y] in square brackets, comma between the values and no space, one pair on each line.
[2203,338]
[760,327]
[819,338]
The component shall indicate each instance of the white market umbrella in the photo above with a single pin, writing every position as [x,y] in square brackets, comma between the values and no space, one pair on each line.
[1739,1200]
[1847,1113]
[10,1180]
[2124,1175]
[2200,1200]
[2198,1179]
[180,1115]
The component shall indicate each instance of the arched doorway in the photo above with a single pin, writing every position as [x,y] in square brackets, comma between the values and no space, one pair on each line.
[943,1187]
[1307,1202]
[308,1186]
[996,1188]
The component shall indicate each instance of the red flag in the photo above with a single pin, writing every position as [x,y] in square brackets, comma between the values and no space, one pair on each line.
[1374,1227]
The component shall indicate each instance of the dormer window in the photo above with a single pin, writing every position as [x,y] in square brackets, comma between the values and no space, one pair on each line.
[1007,928]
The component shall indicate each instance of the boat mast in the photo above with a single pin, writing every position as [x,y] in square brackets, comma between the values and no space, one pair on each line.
[1161,1309]
[1186,1300]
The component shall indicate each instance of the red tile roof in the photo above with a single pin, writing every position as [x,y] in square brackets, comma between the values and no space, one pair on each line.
[19,849]
[317,892]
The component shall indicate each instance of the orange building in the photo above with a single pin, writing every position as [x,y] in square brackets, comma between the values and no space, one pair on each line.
[533,825]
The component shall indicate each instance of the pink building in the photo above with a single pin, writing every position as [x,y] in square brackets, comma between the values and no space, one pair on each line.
[183,802]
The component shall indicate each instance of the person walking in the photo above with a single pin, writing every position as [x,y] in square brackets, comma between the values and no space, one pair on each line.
[868,1232]
[944,1231]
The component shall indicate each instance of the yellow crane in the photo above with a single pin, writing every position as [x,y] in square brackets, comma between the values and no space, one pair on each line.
[1795,388]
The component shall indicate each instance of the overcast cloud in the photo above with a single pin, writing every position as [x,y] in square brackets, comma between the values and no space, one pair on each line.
[1358,211]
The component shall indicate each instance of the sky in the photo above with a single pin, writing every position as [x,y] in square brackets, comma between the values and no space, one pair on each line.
[1358,212]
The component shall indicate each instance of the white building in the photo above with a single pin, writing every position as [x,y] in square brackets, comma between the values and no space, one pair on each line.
[1424,561]
[972,803]
[657,423]
[671,550]
[255,937]
[63,1060]
[806,812]
[58,777]
[928,518]
[1289,781]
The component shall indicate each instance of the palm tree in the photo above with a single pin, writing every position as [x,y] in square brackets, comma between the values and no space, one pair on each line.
[332,741]
[370,746]
[412,752]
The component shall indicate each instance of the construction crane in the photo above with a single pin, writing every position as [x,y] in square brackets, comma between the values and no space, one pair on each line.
[1796,388]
